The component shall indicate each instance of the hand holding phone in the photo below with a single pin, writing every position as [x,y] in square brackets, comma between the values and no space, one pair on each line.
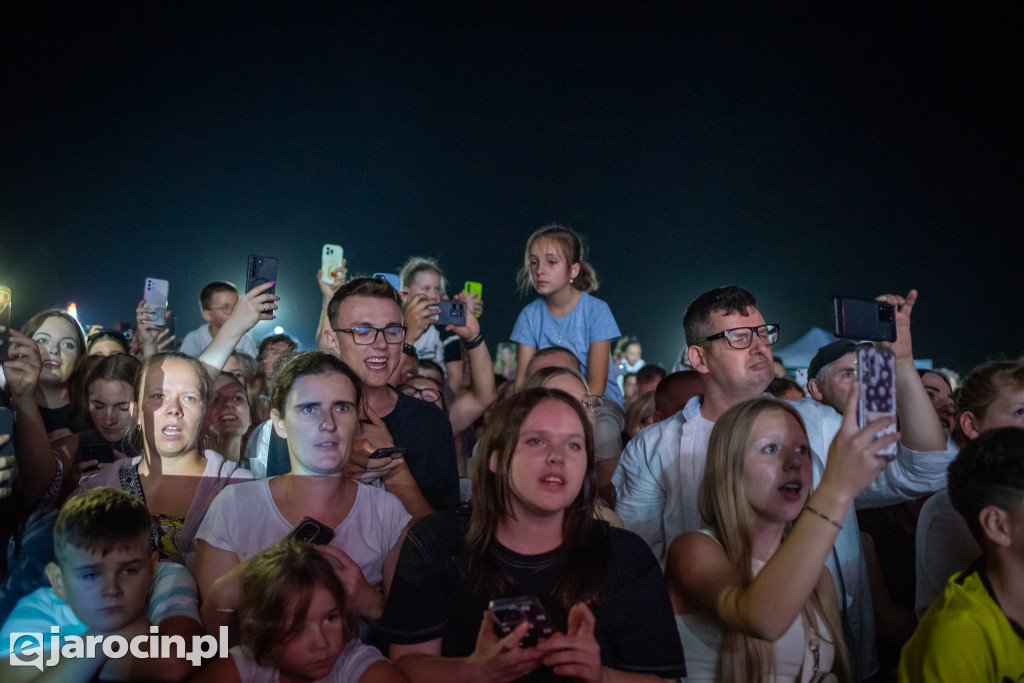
[509,613]
[876,378]
[451,313]
[474,292]
[309,530]
[864,319]
[332,258]
[155,297]
[261,270]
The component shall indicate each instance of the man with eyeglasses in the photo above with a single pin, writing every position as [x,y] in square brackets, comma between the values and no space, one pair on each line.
[366,331]
[217,301]
[730,345]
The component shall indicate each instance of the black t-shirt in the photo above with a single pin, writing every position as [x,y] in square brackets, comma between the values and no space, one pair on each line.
[438,595]
[56,418]
[425,431]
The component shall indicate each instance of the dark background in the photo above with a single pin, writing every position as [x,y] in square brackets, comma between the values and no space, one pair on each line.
[800,152]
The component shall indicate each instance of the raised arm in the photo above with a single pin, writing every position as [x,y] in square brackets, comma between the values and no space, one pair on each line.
[919,423]
[37,465]
[327,290]
[598,358]
[256,305]
[524,354]
[702,578]
[472,404]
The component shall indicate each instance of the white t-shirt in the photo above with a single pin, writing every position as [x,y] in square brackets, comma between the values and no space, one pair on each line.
[354,660]
[197,340]
[244,519]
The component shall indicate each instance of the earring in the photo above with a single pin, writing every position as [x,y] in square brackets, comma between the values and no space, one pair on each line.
[570,281]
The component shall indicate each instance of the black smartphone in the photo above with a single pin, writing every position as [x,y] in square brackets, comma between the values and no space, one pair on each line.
[5,322]
[308,530]
[260,270]
[451,313]
[392,452]
[510,612]
[864,319]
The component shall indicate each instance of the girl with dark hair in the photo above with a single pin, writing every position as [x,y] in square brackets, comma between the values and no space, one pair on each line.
[62,346]
[530,533]
[565,315]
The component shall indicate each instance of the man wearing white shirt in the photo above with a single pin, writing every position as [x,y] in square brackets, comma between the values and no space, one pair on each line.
[730,345]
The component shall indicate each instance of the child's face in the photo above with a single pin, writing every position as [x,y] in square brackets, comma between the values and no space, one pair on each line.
[222,305]
[106,592]
[311,652]
[633,352]
[550,272]
[427,283]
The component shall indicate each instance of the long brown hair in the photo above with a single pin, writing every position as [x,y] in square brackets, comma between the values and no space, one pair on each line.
[723,504]
[584,540]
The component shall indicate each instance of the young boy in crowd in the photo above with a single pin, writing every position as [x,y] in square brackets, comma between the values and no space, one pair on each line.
[216,302]
[973,631]
[106,582]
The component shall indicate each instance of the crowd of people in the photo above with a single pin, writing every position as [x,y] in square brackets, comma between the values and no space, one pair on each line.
[396,504]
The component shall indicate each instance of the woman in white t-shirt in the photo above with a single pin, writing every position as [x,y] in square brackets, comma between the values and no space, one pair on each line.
[314,405]
[752,597]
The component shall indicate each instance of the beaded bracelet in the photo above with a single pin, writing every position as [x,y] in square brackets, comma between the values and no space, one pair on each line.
[474,343]
[824,517]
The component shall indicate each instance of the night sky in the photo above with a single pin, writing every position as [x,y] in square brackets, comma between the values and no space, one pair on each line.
[799,153]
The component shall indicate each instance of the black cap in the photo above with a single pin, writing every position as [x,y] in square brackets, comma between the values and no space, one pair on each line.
[829,353]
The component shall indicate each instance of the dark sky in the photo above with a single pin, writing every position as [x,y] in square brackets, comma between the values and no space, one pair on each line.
[799,153]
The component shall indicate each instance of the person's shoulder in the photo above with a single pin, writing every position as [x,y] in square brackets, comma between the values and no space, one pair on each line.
[591,302]
[625,543]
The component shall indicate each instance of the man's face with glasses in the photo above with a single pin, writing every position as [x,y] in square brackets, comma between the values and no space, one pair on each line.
[373,362]
[736,353]
[222,305]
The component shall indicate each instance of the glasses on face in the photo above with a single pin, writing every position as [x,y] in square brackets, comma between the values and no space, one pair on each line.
[394,334]
[226,308]
[743,337]
[592,402]
[427,394]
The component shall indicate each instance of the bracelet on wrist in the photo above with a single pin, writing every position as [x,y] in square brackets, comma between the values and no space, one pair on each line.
[474,343]
[409,350]
[824,517]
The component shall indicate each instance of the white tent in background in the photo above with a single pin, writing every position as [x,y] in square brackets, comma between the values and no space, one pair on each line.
[799,353]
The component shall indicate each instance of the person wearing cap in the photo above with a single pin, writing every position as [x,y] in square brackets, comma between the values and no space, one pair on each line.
[661,468]
[832,373]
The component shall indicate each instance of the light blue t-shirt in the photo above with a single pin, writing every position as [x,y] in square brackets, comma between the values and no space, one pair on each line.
[590,321]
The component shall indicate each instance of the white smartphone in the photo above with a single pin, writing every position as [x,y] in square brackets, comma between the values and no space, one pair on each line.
[330,260]
[155,294]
